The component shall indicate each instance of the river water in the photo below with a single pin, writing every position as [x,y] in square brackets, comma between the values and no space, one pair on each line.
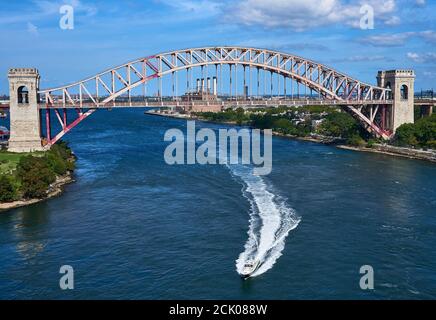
[134,227]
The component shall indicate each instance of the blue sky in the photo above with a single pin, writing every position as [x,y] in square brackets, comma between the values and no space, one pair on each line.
[107,33]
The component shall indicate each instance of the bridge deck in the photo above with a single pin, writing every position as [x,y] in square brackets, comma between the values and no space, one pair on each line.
[225,103]
[425,102]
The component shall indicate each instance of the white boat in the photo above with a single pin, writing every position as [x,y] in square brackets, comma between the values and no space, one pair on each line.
[249,268]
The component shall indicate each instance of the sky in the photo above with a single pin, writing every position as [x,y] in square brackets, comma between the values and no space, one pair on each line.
[107,33]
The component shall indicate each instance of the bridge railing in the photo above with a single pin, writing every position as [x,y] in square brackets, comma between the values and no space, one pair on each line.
[224,103]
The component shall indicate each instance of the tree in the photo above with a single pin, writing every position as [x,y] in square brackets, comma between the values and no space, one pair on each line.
[422,133]
[356,141]
[339,124]
[7,189]
[36,175]
[262,121]
[406,135]
[425,130]
[283,125]
[240,116]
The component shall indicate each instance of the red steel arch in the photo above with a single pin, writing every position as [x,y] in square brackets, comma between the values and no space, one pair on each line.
[102,90]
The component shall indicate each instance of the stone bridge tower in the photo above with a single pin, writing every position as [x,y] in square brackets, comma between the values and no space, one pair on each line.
[402,83]
[24,114]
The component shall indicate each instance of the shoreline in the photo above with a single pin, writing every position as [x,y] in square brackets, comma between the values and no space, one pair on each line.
[388,150]
[55,189]
[408,153]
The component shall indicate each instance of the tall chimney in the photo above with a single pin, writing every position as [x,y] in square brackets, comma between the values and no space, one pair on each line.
[208,85]
[202,85]
[198,85]
[215,86]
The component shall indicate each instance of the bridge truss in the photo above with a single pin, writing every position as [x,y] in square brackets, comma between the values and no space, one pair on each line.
[254,67]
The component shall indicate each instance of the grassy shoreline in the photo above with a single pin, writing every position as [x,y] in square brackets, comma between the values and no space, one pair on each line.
[27,178]
[55,190]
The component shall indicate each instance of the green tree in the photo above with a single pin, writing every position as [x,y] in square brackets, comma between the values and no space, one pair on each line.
[431,144]
[240,116]
[421,133]
[57,164]
[36,175]
[8,192]
[283,125]
[426,130]
[406,135]
[356,141]
[339,124]
[262,121]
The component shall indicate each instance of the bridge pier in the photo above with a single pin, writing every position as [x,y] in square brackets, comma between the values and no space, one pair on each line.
[25,131]
[402,84]
[426,111]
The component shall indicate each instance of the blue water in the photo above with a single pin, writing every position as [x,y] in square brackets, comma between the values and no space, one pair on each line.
[134,227]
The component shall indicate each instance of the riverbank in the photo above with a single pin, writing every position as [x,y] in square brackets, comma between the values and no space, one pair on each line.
[28,178]
[395,151]
[55,189]
[312,138]
[337,142]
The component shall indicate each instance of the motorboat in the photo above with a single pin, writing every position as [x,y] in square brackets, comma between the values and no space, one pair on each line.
[249,268]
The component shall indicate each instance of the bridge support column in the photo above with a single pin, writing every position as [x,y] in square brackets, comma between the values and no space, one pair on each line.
[426,111]
[402,83]
[25,133]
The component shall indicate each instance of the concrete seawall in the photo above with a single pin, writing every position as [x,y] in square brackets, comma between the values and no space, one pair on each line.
[396,151]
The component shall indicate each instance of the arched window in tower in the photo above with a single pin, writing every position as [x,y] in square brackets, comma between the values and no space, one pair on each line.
[23,95]
[388,86]
[404,92]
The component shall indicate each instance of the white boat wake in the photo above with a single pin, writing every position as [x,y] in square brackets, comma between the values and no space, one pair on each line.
[271,220]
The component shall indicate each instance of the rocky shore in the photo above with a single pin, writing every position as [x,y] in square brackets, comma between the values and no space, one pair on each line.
[395,151]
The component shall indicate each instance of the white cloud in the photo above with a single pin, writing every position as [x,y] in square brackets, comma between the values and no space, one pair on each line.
[388,40]
[413,56]
[398,39]
[428,57]
[429,35]
[429,74]
[393,21]
[32,29]
[304,14]
[360,58]
[42,9]
[202,7]
[52,7]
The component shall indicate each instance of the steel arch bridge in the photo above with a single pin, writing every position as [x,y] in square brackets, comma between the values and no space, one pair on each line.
[114,87]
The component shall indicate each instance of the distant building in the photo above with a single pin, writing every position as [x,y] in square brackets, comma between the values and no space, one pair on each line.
[205,91]
[317,123]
